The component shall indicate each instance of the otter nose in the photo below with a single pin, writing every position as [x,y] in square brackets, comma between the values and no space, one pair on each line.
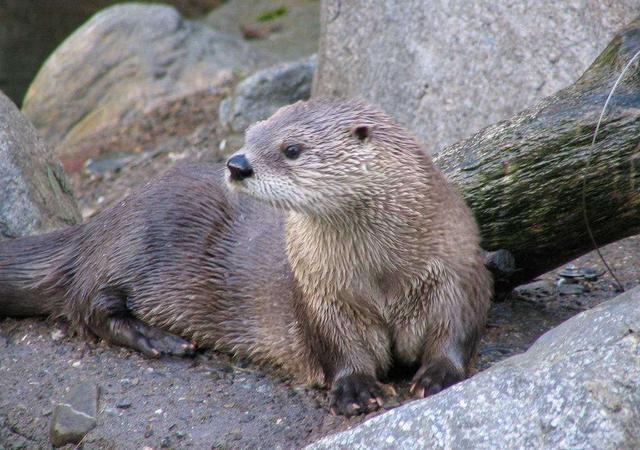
[239,167]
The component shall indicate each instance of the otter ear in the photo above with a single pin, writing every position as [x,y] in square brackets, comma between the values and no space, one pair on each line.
[362,132]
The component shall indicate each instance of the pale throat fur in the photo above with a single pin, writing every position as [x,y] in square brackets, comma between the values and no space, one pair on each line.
[374,247]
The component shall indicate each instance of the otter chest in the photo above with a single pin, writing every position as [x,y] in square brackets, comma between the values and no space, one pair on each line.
[389,300]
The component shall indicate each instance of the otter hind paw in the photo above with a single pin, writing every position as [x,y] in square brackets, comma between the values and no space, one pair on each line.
[355,394]
[150,341]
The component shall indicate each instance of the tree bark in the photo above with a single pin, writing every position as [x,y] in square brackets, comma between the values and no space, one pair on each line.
[523,177]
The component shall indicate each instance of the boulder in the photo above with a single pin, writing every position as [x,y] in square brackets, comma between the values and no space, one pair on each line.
[288,29]
[34,192]
[260,95]
[30,31]
[448,68]
[578,386]
[127,60]
[169,126]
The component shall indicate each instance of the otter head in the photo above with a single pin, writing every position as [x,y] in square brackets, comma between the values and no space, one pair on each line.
[317,157]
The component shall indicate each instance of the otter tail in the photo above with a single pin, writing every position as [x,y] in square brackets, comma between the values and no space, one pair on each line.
[33,273]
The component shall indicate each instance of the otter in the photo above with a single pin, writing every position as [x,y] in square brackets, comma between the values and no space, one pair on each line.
[329,246]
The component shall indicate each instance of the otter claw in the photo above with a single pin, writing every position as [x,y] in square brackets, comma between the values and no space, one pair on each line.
[417,391]
[355,394]
[434,377]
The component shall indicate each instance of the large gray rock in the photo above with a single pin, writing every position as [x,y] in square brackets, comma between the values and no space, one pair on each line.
[447,68]
[31,30]
[261,94]
[127,59]
[35,196]
[287,28]
[578,386]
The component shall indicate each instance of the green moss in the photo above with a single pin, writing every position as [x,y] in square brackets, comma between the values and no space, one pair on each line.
[54,185]
[273,14]
[608,57]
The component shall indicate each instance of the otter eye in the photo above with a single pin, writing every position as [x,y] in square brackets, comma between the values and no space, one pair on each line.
[292,151]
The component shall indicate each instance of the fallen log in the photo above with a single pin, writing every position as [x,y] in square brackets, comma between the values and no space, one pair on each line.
[523,177]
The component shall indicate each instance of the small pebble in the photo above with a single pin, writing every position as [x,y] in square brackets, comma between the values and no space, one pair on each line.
[235,435]
[126,382]
[123,404]
[56,335]
[570,271]
[75,415]
[392,402]
[247,417]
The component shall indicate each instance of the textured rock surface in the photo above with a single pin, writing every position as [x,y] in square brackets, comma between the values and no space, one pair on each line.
[578,386]
[447,68]
[31,30]
[171,126]
[287,28]
[261,94]
[127,59]
[34,194]
[75,416]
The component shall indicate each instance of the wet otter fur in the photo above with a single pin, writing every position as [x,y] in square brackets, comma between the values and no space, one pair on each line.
[329,246]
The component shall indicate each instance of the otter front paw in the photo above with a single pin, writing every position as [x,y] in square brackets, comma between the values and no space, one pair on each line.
[435,376]
[355,394]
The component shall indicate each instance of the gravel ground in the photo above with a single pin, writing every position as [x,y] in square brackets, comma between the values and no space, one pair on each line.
[212,401]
